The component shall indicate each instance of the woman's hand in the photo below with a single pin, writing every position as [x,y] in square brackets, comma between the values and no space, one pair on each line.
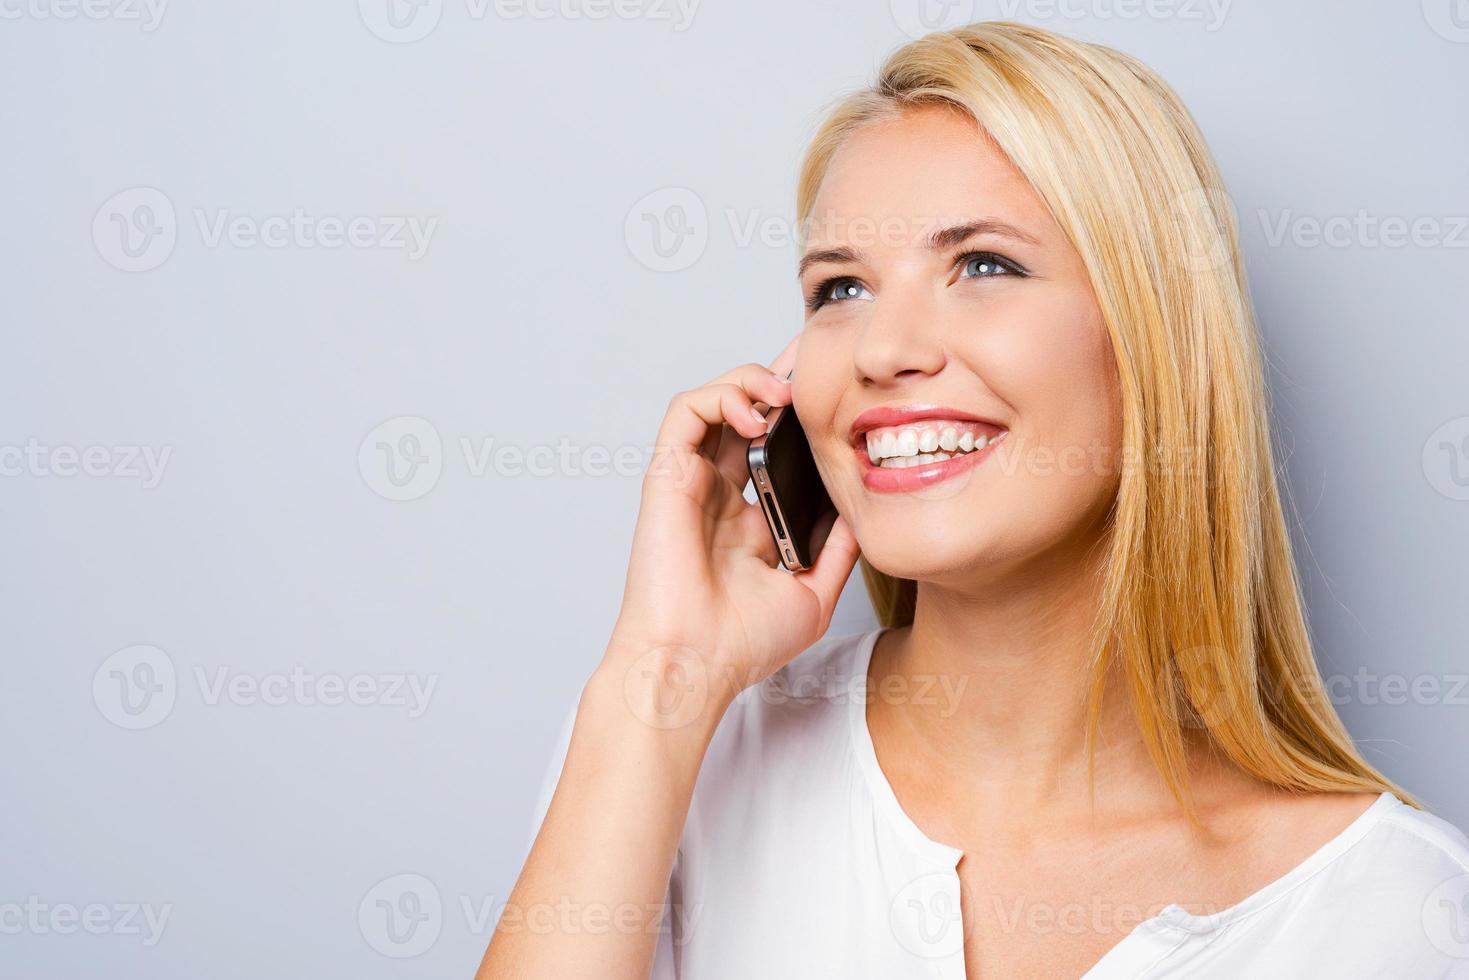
[707,609]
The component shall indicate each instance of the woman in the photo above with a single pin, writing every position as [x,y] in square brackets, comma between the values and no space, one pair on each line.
[1089,737]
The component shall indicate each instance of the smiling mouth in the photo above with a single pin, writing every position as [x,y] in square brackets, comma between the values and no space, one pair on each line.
[915,453]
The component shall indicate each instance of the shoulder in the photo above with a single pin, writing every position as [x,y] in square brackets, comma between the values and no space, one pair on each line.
[1435,833]
[1387,896]
[1401,890]
[1414,848]
[1419,847]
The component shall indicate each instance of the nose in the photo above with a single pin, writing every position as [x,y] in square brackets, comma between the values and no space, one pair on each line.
[899,341]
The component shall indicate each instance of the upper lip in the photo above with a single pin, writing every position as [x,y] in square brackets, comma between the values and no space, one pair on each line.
[883,415]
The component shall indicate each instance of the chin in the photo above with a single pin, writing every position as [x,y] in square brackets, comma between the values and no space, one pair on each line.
[934,554]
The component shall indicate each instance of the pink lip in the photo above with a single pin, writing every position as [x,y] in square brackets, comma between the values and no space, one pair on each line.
[882,480]
[875,418]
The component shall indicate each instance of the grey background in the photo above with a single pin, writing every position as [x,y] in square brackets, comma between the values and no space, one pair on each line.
[540,312]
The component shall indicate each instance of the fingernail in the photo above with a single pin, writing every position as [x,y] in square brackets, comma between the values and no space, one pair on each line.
[758,417]
[786,379]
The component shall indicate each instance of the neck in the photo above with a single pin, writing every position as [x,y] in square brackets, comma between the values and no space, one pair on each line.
[1016,659]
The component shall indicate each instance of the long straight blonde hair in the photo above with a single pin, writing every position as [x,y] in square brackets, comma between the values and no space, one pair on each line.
[1201,609]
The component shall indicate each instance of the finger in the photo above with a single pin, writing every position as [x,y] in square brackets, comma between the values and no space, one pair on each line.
[733,458]
[691,431]
[716,436]
[728,448]
[832,569]
[764,386]
[692,414]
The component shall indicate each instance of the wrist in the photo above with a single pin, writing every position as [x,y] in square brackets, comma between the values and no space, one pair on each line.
[669,691]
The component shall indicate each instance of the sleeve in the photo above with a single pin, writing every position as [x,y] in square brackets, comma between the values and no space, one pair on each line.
[665,965]
[549,779]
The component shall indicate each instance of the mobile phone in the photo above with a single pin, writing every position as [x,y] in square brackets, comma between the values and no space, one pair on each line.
[797,507]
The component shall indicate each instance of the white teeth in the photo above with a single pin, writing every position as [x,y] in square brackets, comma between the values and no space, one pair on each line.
[901,448]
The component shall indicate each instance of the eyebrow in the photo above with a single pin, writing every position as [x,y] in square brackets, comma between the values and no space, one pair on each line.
[939,240]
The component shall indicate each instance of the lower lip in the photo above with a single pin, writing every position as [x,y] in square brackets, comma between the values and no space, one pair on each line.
[881,479]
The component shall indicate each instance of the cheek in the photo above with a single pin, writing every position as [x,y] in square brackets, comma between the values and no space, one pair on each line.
[1052,363]
[816,387]
[823,377]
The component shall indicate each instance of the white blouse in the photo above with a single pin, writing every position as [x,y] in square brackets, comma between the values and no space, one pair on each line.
[797,862]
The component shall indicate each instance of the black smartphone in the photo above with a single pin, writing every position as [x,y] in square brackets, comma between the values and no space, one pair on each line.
[797,507]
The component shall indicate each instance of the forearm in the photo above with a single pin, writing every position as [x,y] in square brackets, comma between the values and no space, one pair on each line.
[590,898]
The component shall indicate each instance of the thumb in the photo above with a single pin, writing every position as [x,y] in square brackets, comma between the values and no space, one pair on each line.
[832,569]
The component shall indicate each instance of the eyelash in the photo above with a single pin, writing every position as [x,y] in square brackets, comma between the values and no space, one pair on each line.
[818,297]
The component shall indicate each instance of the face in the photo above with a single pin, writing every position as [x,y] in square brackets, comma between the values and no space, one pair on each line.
[952,332]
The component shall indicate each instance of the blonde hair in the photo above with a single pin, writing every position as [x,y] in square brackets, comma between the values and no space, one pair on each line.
[1201,608]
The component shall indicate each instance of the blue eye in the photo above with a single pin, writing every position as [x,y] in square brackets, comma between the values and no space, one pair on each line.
[986,265]
[837,291]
